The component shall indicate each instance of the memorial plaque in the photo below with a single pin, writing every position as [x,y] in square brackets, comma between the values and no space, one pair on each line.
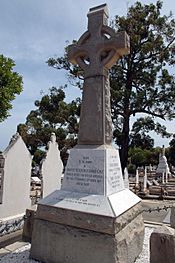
[114,178]
[93,172]
[85,171]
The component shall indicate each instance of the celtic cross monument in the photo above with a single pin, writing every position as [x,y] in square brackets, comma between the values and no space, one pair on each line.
[96,52]
[93,218]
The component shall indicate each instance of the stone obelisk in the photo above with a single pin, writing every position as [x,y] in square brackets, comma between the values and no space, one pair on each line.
[93,218]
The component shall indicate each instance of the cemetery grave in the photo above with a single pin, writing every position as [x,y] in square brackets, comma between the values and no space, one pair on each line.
[92,216]
[93,209]
[18,190]
[154,182]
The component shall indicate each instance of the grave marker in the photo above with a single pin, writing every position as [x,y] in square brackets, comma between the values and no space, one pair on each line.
[163,166]
[51,168]
[15,169]
[92,210]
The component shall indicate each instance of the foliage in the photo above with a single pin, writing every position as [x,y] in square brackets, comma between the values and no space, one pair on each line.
[139,134]
[131,169]
[10,86]
[38,156]
[172,151]
[53,114]
[141,81]
[143,157]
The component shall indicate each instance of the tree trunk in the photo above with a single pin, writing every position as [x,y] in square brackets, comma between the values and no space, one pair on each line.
[125,143]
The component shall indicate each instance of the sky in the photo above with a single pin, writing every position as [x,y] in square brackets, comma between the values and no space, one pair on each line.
[31,31]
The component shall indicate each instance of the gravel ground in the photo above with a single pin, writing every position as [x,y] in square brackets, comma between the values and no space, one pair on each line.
[22,255]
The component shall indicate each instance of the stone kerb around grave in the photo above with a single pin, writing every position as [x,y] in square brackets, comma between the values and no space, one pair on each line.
[1,176]
[16,173]
[51,168]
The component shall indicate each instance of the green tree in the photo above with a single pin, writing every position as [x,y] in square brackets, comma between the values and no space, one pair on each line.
[10,86]
[172,151]
[139,136]
[141,81]
[142,157]
[52,114]
[138,156]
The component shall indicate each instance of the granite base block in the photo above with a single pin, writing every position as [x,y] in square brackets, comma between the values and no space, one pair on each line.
[55,242]
[162,245]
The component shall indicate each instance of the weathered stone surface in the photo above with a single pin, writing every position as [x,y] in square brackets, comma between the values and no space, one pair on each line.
[96,52]
[172,217]
[11,224]
[58,243]
[94,222]
[28,224]
[162,245]
[112,206]
[130,241]
[95,109]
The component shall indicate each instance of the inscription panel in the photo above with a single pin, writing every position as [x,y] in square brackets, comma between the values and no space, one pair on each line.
[93,172]
[85,171]
[114,173]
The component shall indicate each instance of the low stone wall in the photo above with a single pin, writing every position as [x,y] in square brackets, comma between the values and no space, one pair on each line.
[11,224]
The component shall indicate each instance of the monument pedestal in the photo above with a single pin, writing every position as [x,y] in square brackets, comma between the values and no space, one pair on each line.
[98,221]
[67,236]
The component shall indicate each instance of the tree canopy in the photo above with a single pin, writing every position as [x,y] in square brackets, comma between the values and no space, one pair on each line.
[141,82]
[52,114]
[141,85]
[172,151]
[139,136]
[10,86]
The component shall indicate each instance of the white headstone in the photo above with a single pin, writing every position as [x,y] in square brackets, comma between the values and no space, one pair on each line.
[163,166]
[145,181]
[137,177]
[126,178]
[16,178]
[163,177]
[51,168]
[166,177]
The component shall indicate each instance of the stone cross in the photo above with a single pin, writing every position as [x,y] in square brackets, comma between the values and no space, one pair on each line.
[96,52]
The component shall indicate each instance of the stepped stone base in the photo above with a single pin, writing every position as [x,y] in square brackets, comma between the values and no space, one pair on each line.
[93,218]
[67,236]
